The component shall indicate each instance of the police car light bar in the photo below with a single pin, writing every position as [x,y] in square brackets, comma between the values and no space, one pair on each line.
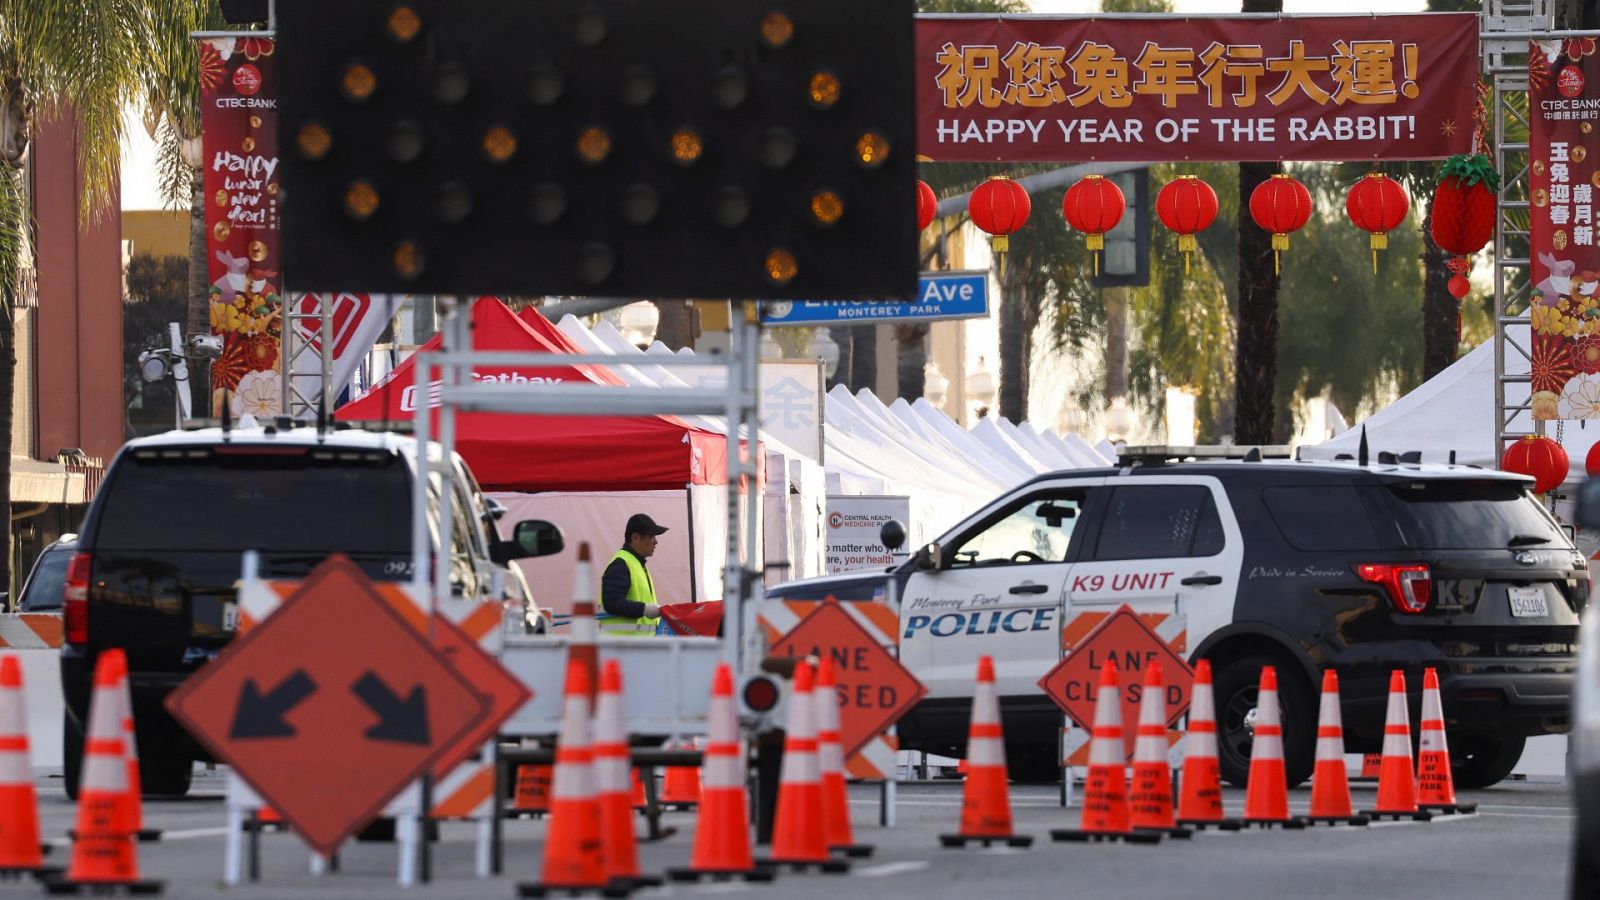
[1157,454]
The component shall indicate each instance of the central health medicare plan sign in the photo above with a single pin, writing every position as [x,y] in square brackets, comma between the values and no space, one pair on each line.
[1143,88]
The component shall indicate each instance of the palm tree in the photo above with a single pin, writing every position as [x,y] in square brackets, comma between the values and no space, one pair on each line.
[57,58]
[171,84]
[1257,355]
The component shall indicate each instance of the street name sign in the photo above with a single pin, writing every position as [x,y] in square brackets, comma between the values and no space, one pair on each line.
[874,689]
[330,706]
[1074,683]
[962,294]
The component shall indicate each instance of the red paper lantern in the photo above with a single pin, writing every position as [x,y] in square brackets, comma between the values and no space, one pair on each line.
[1540,457]
[1094,206]
[1280,205]
[1377,204]
[1187,206]
[999,207]
[1462,215]
[927,205]
[1591,463]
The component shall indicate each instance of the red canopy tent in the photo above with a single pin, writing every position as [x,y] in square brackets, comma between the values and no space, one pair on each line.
[552,453]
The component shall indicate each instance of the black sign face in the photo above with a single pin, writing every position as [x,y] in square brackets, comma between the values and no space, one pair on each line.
[677,148]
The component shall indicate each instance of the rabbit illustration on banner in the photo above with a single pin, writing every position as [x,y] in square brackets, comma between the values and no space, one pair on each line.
[236,280]
[1558,283]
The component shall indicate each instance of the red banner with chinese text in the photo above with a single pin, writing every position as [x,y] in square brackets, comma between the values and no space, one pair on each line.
[1140,89]
[1563,111]
[239,133]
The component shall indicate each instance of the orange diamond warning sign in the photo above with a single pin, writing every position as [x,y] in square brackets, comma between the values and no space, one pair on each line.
[1074,683]
[874,689]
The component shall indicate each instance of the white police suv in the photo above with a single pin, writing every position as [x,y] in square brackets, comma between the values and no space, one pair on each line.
[1303,565]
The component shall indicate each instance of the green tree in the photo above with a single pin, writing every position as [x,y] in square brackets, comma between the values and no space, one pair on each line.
[858,360]
[58,58]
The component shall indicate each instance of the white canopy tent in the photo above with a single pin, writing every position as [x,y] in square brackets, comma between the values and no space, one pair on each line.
[1453,412]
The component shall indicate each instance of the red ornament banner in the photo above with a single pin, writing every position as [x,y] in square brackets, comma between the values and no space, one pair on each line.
[1564,311]
[239,134]
[1144,88]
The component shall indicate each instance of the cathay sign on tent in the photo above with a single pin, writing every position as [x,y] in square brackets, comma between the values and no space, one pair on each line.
[551,453]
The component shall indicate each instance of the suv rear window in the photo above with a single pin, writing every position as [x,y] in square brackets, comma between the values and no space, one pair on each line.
[1321,516]
[1471,515]
[277,502]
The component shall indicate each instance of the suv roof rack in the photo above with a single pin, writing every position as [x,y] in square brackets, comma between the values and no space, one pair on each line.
[1159,454]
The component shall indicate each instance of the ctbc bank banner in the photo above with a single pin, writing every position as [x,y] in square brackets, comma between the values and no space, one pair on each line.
[239,128]
[1139,89]
[1563,112]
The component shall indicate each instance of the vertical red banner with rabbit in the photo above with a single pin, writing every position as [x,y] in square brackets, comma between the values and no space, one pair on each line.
[239,125]
[1564,176]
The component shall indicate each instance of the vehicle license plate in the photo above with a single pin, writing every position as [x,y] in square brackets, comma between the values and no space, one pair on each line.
[1528,603]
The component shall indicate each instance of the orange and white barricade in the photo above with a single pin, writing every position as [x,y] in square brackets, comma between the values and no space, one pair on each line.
[1171,627]
[878,760]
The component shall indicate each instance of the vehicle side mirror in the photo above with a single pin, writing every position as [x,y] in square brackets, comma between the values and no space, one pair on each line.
[929,558]
[530,538]
[1588,511]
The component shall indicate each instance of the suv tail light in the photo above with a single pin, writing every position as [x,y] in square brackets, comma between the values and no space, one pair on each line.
[75,600]
[1409,585]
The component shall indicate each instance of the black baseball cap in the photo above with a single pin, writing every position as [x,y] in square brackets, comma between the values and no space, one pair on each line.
[639,523]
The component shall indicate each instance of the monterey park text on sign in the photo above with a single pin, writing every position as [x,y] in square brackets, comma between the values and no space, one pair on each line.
[940,295]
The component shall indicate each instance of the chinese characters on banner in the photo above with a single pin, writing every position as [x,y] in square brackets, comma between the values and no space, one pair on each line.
[1295,88]
[238,120]
[1564,112]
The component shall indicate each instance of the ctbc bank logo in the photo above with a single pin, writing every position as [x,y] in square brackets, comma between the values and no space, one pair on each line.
[408,397]
[247,79]
[835,520]
[1570,81]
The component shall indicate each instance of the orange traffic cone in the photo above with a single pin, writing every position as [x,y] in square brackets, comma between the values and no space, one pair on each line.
[584,634]
[20,850]
[1397,787]
[1150,800]
[1266,796]
[1200,794]
[680,785]
[1105,795]
[620,851]
[572,856]
[1436,789]
[103,850]
[830,758]
[722,832]
[986,796]
[798,840]
[119,661]
[640,801]
[1330,783]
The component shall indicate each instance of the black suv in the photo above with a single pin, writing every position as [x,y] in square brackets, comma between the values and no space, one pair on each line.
[1302,565]
[159,555]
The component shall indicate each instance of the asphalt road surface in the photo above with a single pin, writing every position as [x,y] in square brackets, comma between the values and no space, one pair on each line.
[1516,846]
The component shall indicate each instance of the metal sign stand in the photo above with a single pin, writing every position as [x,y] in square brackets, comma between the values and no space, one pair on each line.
[737,401]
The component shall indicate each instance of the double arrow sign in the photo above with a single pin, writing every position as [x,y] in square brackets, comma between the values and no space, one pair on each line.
[325,735]
[259,716]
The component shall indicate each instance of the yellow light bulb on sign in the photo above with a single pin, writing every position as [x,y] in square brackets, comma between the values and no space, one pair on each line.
[781,266]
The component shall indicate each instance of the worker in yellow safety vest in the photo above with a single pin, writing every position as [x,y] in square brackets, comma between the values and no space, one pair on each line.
[627,595]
